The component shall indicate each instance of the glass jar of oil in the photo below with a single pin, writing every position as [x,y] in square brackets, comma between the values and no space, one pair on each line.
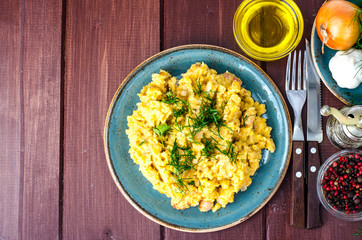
[268,29]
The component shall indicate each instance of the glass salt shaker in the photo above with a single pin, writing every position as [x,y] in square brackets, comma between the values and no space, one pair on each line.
[344,126]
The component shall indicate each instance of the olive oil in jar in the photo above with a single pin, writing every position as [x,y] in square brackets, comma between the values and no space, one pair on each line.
[267,27]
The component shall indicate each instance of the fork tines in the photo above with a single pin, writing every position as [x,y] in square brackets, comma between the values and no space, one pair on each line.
[291,74]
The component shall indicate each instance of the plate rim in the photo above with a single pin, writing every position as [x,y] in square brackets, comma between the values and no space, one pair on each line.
[112,169]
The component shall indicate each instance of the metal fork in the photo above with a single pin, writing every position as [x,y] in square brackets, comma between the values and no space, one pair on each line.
[296,94]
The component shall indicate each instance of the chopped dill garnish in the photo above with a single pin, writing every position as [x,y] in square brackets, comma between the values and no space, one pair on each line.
[181,159]
[191,139]
[358,44]
[178,112]
[143,142]
[216,134]
[180,182]
[245,118]
[214,140]
[229,152]
[224,104]
[196,123]
[171,98]
[208,114]
[161,130]
[212,115]
[197,90]
[208,150]
[192,183]
[178,127]
[181,162]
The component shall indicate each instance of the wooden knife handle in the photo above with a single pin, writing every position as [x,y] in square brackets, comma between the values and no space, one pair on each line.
[297,213]
[313,215]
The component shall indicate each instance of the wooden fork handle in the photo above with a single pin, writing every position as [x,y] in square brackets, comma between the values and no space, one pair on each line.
[313,215]
[297,213]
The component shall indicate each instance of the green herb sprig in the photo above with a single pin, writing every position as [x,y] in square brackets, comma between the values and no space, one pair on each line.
[181,162]
[245,118]
[179,110]
[181,159]
[171,98]
[208,150]
[358,44]
[208,114]
[197,90]
[161,130]
[229,152]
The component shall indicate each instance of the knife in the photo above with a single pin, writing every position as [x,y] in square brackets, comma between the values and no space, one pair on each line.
[314,136]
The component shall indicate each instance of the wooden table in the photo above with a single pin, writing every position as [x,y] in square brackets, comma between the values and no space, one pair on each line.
[60,64]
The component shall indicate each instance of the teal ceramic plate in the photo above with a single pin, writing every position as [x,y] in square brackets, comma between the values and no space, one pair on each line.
[321,61]
[139,192]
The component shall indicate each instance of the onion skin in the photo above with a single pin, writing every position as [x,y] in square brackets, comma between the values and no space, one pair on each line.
[336,25]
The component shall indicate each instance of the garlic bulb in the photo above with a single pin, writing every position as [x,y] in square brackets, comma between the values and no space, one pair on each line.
[346,68]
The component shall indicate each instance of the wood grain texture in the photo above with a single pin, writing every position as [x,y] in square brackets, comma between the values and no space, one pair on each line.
[207,22]
[10,119]
[297,208]
[105,40]
[313,203]
[30,55]
[252,229]
[41,89]
[277,212]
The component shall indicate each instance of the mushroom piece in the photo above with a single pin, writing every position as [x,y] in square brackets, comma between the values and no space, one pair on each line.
[205,206]
[183,93]
[249,120]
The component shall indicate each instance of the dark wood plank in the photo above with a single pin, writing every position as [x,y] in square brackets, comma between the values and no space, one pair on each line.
[251,229]
[207,22]
[30,56]
[10,118]
[105,40]
[41,89]
[278,210]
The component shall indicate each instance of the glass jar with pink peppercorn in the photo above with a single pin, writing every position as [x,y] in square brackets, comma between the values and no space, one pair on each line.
[339,185]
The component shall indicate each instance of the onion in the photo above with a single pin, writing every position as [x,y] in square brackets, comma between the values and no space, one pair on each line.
[337,24]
